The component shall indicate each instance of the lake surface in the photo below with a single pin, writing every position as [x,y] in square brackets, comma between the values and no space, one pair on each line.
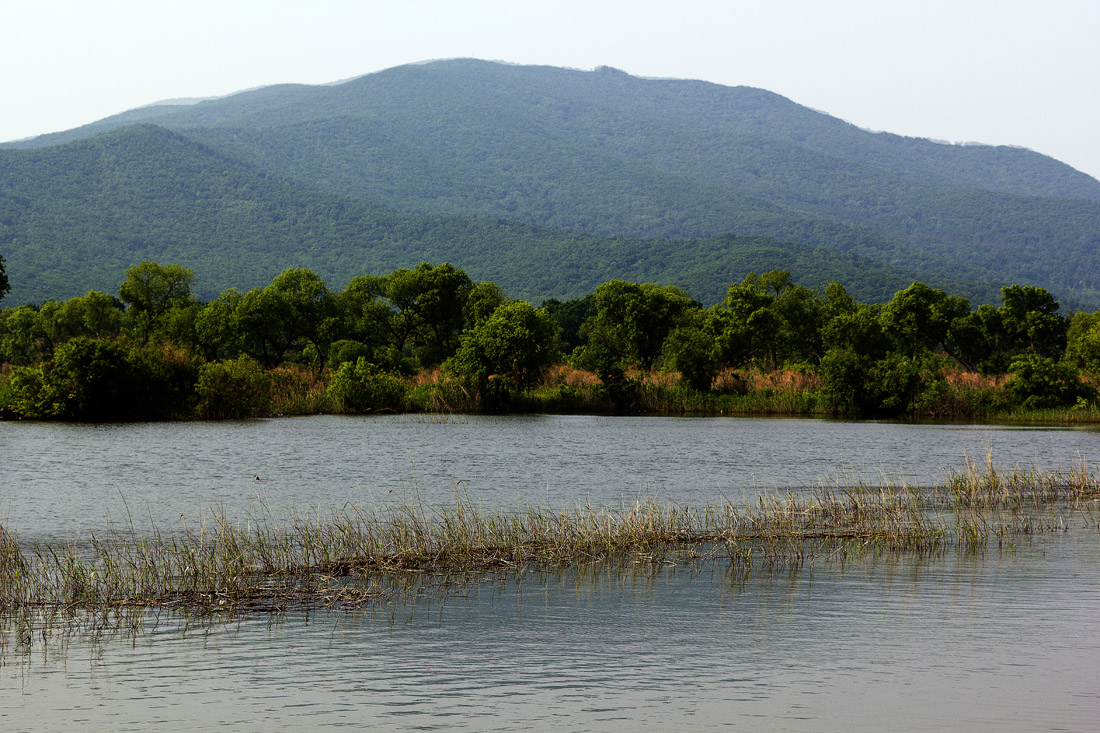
[999,641]
[60,480]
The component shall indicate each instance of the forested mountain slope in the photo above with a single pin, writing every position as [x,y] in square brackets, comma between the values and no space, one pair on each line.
[72,217]
[615,155]
[658,117]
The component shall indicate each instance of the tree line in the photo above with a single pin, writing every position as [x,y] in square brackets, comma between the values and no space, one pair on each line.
[154,350]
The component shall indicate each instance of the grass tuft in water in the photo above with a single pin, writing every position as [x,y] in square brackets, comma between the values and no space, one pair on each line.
[351,557]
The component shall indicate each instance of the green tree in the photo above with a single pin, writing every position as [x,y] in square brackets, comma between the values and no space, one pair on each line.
[96,315]
[1083,342]
[87,379]
[514,346]
[859,385]
[366,315]
[920,317]
[484,298]
[1030,319]
[52,328]
[569,316]
[296,310]
[217,326]
[979,340]
[427,309]
[306,309]
[801,314]
[749,326]
[692,347]
[859,330]
[632,322]
[263,335]
[21,338]
[150,292]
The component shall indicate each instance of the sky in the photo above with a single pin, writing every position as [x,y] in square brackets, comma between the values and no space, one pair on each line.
[1005,72]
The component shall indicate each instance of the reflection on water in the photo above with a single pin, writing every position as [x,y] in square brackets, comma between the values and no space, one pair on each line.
[61,479]
[990,642]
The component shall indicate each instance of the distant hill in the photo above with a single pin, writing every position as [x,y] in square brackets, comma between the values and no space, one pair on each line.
[88,209]
[608,154]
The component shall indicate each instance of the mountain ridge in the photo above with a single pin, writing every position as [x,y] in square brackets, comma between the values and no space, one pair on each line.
[709,99]
[611,155]
[145,192]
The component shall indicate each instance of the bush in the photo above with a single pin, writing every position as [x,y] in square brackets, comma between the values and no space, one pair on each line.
[854,384]
[1040,383]
[98,380]
[361,387]
[233,389]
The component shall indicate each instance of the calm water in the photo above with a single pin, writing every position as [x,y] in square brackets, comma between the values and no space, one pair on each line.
[60,480]
[1002,641]
[995,643]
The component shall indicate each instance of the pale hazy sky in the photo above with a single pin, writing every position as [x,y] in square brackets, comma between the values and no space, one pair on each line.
[1009,72]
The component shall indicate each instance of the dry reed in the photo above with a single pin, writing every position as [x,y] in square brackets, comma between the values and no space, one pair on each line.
[350,556]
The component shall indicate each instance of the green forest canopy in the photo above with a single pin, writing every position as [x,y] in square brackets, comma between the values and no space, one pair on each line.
[157,351]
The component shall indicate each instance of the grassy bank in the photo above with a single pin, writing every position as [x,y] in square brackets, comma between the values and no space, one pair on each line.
[353,555]
[568,390]
[241,388]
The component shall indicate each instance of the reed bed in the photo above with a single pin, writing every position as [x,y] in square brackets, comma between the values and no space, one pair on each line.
[351,556]
[982,485]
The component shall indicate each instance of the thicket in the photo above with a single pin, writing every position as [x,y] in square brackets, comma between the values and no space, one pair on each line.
[431,339]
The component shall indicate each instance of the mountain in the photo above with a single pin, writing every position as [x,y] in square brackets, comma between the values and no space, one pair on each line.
[88,209]
[613,155]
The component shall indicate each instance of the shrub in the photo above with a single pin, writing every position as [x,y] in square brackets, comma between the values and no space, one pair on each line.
[94,379]
[855,384]
[1039,382]
[233,389]
[362,387]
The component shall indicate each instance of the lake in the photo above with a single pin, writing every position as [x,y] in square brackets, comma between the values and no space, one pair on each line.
[63,479]
[1007,639]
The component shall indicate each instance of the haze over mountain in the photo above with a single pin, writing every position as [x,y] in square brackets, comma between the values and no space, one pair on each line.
[617,175]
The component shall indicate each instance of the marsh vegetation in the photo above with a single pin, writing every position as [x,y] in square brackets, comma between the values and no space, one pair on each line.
[354,556]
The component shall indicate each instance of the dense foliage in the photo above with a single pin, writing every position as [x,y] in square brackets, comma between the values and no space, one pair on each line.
[87,211]
[156,351]
[651,170]
[5,286]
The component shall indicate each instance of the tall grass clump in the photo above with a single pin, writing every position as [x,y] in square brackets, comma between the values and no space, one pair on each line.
[297,390]
[983,485]
[350,556]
